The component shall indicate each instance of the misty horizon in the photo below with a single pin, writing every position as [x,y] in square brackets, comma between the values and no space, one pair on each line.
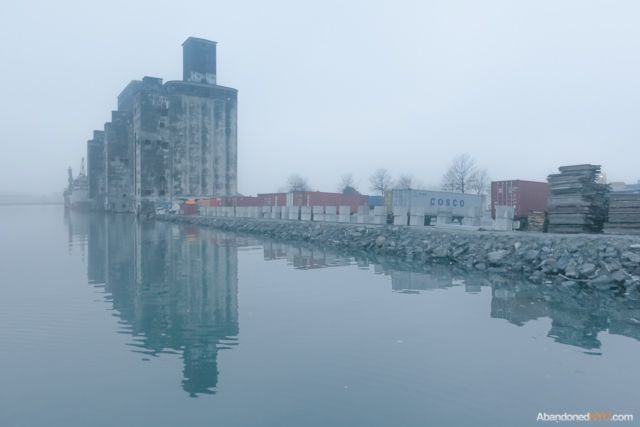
[523,89]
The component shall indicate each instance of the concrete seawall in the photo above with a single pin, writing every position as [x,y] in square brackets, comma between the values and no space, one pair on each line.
[599,261]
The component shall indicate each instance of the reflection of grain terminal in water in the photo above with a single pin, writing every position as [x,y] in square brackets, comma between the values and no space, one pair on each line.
[175,289]
[167,140]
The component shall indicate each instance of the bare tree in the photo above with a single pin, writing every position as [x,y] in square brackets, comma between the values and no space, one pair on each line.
[296,182]
[380,181]
[405,182]
[458,176]
[479,181]
[347,184]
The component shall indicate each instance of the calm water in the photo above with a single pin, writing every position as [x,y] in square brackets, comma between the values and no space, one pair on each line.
[106,322]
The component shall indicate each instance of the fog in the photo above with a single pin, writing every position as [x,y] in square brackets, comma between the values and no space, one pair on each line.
[332,87]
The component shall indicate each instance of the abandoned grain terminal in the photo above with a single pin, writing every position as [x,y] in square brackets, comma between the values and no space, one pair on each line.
[167,141]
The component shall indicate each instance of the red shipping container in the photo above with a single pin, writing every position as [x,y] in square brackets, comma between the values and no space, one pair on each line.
[211,202]
[242,201]
[273,199]
[189,208]
[524,196]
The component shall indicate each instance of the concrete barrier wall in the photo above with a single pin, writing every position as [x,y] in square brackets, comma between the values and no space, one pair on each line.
[344,213]
[471,221]
[364,215]
[318,213]
[444,218]
[416,216]
[400,216]
[506,212]
[503,224]
[294,212]
[331,214]
[305,213]
[378,215]
[276,212]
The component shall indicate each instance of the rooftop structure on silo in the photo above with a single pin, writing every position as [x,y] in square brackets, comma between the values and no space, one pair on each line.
[199,61]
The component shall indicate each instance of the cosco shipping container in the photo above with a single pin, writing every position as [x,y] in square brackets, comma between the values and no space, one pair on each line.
[434,202]
[524,196]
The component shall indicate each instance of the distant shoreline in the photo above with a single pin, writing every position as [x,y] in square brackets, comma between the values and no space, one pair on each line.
[30,203]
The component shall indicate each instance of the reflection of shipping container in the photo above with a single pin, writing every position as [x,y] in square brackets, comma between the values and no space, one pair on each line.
[318,198]
[434,202]
[189,207]
[524,196]
[273,199]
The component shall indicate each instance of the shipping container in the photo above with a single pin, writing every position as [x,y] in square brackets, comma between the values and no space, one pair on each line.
[524,196]
[210,202]
[244,201]
[434,202]
[273,199]
[190,207]
[375,201]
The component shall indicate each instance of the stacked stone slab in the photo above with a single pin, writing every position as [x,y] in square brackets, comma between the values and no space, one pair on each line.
[577,203]
[624,213]
[535,221]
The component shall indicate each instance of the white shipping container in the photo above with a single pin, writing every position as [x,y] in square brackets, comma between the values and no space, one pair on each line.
[434,202]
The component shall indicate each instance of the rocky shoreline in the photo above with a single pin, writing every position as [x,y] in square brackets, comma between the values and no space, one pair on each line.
[598,261]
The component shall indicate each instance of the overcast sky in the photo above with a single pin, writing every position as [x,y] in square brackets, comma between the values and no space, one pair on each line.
[331,87]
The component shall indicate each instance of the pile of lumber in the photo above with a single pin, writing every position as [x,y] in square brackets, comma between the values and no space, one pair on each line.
[577,202]
[535,221]
[624,213]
